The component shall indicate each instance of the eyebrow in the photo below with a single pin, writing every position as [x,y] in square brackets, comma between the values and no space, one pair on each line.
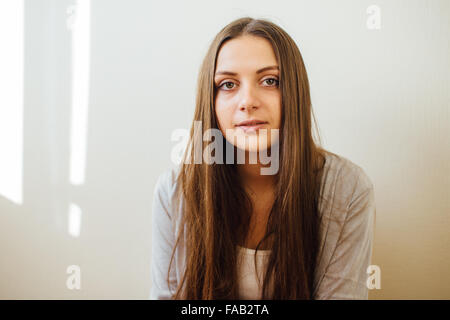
[259,71]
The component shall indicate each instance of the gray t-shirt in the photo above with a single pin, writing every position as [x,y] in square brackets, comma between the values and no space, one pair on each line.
[347,211]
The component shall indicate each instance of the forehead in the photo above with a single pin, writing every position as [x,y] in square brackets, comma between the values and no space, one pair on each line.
[245,52]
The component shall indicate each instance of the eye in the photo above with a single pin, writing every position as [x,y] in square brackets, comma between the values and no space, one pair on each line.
[272,82]
[226,84]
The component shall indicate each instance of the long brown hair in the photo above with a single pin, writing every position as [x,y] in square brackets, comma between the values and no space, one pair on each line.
[216,208]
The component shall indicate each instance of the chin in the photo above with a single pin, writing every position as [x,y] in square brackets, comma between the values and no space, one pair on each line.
[254,144]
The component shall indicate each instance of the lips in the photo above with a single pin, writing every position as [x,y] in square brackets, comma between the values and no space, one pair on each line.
[251,125]
[252,122]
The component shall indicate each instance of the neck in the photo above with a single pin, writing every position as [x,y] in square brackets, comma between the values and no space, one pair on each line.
[252,178]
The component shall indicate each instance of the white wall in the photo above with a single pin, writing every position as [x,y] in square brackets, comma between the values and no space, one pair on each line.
[380,96]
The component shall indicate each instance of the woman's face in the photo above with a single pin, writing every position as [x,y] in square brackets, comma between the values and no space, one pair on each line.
[247,82]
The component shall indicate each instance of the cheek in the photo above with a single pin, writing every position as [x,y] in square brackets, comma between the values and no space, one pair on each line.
[223,115]
[217,111]
[279,111]
[276,110]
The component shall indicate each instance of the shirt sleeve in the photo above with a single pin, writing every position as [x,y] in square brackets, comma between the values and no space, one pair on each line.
[163,240]
[346,275]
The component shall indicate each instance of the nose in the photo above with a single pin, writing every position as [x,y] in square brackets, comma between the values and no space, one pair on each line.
[249,99]
[248,107]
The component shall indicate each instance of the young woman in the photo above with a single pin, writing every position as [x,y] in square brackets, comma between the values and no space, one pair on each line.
[226,231]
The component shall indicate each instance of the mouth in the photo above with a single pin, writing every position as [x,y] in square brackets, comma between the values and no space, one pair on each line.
[251,122]
[252,126]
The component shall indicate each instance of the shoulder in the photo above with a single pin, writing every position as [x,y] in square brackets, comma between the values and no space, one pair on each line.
[165,191]
[342,182]
[347,171]
[167,179]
